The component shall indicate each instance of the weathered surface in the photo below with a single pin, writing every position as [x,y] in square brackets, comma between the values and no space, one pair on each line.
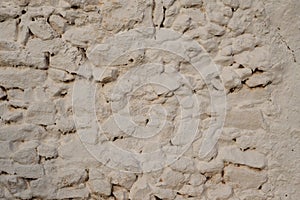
[122,99]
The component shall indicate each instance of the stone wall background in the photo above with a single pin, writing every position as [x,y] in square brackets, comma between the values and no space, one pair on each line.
[254,43]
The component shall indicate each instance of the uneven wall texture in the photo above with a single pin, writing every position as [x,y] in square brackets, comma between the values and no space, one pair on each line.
[150,99]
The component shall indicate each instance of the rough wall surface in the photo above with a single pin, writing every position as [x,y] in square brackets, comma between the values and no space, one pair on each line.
[222,75]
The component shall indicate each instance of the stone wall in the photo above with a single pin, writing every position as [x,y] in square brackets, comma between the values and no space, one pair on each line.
[156,99]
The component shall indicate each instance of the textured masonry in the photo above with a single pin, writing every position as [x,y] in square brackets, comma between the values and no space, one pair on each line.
[44,45]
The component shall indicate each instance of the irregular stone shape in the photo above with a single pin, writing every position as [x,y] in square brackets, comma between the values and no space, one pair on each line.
[21,132]
[72,193]
[26,156]
[242,177]
[163,193]
[12,116]
[193,191]
[258,58]
[67,59]
[219,192]
[42,29]
[244,119]
[39,51]
[243,73]
[47,151]
[171,178]
[6,149]
[231,3]
[17,98]
[29,171]
[245,42]
[100,186]
[21,78]
[197,179]
[70,176]
[213,166]
[6,13]
[120,193]
[73,144]
[43,184]
[215,29]
[140,189]
[250,158]
[42,113]
[13,183]
[8,30]
[81,36]
[123,179]
[183,164]
[58,23]
[230,79]
[258,80]
[60,75]
[218,14]
[181,23]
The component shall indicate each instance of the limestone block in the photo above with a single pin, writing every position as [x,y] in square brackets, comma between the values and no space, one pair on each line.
[42,29]
[193,191]
[245,42]
[43,184]
[29,171]
[7,149]
[172,178]
[12,12]
[242,177]
[140,189]
[26,156]
[219,192]
[244,119]
[81,36]
[58,23]
[60,75]
[47,150]
[70,176]
[250,158]
[258,80]
[13,183]
[213,166]
[120,193]
[41,113]
[163,193]
[230,79]
[123,179]
[100,186]
[197,179]
[21,132]
[258,58]
[21,78]
[72,193]
[67,59]
[8,30]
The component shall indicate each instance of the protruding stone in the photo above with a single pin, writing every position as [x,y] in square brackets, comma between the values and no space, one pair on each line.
[243,177]
[42,29]
[58,23]
[250,158]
